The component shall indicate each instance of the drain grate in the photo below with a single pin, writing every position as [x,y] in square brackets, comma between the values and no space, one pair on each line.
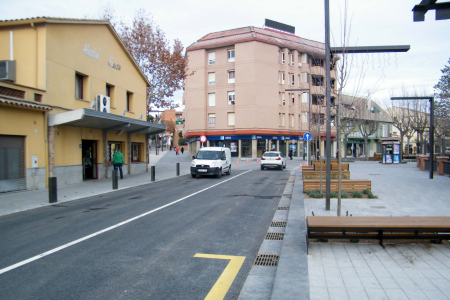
[275,236]
[378,207]
[283,208]
[266,260]
[278,224]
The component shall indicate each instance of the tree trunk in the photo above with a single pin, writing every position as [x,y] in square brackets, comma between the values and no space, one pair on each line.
[366,148]
[345,146]
[401,147]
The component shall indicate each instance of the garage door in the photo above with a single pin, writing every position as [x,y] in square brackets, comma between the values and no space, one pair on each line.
[12,163]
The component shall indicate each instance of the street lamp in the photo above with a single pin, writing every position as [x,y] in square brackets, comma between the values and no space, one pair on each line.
[431,99]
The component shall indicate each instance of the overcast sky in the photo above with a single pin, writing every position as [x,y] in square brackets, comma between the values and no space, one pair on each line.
[374,23]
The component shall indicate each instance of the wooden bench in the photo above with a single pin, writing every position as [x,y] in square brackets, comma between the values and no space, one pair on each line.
[346,185]
[405,228]
[308,168]
[334,167]
[309,173]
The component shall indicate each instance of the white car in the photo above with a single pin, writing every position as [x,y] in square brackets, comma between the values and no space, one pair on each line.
[273,159]
[211,161]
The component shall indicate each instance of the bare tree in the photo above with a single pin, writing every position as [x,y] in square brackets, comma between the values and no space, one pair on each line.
[420,122]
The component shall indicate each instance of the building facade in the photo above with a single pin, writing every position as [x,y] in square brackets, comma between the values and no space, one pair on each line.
[77,95]
[240,95]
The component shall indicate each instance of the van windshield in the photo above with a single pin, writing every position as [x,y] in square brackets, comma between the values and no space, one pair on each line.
[209,155]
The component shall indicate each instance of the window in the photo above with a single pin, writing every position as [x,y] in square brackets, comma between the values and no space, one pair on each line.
[111,93]
[212,99]
[282,77]
[293,99]
[108,90]
[292,59]
[211,58]
[304,117]
[332,83]
[79,86]
[317,80]
[283,101]
[317,99]
[304,58]
[305,98]
[317,62]
[333,100]
[299,80]
[112,146]
[292,79]
[212,120]
[282,120]
[130,97]
[135,150]
[231,76]
[231,119]
[282,57]
[305,77]
[279,77]
[318,118]
[231,55]
[231,98]
[38,97]
[211,78]
[291,117]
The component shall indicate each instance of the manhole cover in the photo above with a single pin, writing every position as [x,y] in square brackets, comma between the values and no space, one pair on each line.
[378,207]
[275,236]
[283,208]
[266,260]
[278,224]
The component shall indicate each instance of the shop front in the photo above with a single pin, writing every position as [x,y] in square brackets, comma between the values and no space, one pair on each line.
[390,150]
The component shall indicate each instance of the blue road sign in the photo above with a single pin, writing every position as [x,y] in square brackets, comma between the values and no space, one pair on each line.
[307,136]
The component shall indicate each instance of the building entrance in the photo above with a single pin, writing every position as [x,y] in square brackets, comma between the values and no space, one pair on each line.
[12,163]
[89,159]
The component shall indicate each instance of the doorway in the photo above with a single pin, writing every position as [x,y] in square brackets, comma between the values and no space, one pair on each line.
[89,159]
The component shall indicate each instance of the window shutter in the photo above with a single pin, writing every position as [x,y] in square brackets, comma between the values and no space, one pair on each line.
[211,78]
[212,99]
[231,119]
[211,58]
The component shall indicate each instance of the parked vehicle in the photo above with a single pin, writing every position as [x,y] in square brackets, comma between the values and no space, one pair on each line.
[273,159]
[211,161]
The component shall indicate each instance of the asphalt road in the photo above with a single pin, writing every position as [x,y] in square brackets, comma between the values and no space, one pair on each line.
[149,257]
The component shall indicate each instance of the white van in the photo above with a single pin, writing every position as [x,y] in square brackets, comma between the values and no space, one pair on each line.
[211,161]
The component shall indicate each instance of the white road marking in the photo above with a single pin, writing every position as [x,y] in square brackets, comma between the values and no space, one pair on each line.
[24,262]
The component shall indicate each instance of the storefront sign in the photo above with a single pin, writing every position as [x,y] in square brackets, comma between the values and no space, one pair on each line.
[113,64]
[91,53]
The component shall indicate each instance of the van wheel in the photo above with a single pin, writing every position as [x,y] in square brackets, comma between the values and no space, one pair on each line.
[262,168]
[194,176]
[220,173]
[284,167]
[229,170]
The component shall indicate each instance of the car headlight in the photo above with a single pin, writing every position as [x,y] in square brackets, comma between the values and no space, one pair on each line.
[193,163]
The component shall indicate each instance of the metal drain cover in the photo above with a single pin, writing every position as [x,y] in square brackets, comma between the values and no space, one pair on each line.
[278,224]
[275,236]
[266,260]
[283,208]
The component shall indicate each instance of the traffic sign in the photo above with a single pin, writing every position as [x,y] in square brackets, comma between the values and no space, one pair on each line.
[203,138]
[307,136]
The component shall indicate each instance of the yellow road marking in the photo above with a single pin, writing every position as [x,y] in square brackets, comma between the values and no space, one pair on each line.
[222,285]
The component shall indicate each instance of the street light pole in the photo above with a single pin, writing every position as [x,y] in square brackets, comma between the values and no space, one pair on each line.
[328,97]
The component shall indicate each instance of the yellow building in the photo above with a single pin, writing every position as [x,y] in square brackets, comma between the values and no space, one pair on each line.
[70,93]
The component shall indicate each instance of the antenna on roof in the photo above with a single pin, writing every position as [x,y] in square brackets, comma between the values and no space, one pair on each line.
[279,26]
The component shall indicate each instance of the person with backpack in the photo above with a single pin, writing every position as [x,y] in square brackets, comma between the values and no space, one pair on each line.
[118,161]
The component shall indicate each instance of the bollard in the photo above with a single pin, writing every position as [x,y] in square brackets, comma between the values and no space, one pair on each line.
[178,169]
[115,180]
[52,191]
[153,173]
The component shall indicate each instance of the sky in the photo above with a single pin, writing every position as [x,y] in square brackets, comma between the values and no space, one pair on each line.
[373,23]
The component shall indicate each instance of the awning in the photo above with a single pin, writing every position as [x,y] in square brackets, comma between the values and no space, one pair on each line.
[99,120]
[24,104]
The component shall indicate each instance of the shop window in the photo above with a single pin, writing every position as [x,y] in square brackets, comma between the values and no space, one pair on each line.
[246,148]
[135,152]
[112,146]
[130,99]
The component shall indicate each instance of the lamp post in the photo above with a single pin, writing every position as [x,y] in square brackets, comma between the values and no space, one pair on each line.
[431,99]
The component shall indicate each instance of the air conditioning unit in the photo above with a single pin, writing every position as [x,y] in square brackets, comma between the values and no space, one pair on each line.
[8,70]
[104,103]
[299,65]
[232,101]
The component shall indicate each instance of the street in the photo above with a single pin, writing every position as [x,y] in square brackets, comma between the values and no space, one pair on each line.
[151,242]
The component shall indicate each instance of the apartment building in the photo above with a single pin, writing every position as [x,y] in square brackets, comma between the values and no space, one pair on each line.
[70,94]
[174,122]
[239,94]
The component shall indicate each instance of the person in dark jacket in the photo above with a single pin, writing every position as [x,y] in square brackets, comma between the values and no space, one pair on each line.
[290,153]
[182,150]
[118,161]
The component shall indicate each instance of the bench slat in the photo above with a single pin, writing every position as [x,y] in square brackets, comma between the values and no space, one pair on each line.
[378,222]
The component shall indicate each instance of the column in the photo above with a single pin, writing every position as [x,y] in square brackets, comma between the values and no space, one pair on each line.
[270,145]
[129,152]
[51,151]
[254,148]
[147,136]
[278,145]
[105,150]
[239,148]
[207,143]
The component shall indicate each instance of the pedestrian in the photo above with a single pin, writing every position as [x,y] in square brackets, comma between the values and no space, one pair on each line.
[118,161]
[176,151]
[182,150]
[290,153]
[337,153]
